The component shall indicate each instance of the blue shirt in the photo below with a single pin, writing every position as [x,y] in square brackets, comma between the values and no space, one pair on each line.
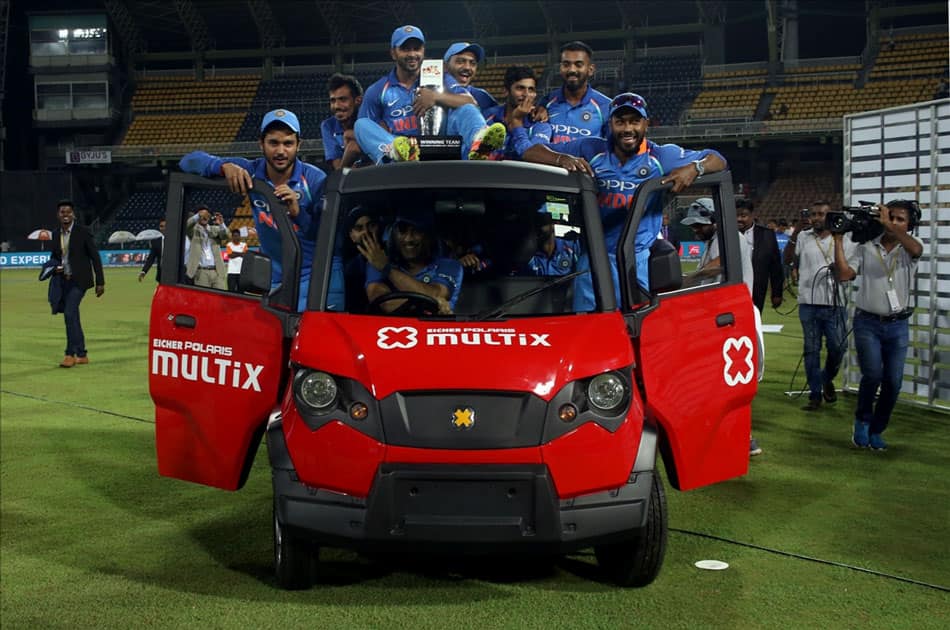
[617,183]
[515,146]
[573,122]
[444,271]
[306,180]
[560,263]
[387,101]
[332,132]
[483,99]
[782,239]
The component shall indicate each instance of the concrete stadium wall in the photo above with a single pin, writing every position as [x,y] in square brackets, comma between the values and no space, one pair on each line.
[904,153]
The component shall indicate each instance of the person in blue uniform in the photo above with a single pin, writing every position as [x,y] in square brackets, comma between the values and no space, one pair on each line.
[461,63]
[297,184]
[554,256]
[519,110]
[389,116]
[340,148]
[410,264]
[576,110]
[619,164]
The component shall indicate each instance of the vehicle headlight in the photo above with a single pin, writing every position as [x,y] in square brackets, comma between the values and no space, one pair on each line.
[317,390]
[607,392]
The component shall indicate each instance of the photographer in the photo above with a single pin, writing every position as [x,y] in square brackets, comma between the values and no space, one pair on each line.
[821,307]
[886,264]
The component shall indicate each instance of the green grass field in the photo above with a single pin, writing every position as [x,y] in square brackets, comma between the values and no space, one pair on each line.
[91,536]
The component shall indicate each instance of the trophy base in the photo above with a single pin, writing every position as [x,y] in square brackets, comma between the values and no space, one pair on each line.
[440,148]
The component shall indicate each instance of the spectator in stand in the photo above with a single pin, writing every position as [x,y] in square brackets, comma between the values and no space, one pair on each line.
[821,302]
[339,142]
[154,253]
[75,248]
[886,265]
[235,253]
[767,269]
[576,110]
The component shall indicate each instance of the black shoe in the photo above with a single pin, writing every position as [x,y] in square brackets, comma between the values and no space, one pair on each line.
[828,392]
[814,404]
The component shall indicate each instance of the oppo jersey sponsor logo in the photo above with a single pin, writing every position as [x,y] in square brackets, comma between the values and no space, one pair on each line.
[616,184]
[392,338]
[198,362]
[570,130]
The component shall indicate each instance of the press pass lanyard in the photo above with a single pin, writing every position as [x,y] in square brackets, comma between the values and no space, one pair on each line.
[892,298]
[888,272]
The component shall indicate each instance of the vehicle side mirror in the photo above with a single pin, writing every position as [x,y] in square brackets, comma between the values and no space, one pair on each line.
[255,274]
[666,272]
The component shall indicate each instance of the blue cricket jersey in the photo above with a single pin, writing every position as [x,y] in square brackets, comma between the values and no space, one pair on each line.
[574,122]
[483,99]
[307,181]
[444,271]
[332,132]
[562,261]
[389,102]
[515,146]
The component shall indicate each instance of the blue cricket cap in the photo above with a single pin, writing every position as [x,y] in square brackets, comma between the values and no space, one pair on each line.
[282,116]
[420,220]
[460,47]
[403,33]
[631,100]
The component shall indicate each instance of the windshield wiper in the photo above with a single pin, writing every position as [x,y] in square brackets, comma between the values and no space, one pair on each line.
[502,308]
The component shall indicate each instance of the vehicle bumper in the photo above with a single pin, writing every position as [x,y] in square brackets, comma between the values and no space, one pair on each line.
[457,508]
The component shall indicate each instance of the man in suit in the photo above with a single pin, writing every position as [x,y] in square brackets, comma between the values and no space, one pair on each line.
[766,261]
[154,253]
[74,246]
[205,265]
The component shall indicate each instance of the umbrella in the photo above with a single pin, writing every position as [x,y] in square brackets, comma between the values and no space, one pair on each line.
[40,235]
[148,235]
[121,236]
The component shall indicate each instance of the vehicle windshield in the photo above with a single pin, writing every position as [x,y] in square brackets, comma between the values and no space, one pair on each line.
[488,253]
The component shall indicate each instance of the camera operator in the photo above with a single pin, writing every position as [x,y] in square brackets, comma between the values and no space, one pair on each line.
[882,308]
[821,307]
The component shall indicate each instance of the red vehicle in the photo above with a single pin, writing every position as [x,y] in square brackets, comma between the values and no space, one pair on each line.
[527,419]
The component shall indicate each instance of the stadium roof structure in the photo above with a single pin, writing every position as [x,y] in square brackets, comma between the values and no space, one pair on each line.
[165,26]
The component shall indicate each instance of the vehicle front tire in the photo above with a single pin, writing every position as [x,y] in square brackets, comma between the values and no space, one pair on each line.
[637,562]
[293,558]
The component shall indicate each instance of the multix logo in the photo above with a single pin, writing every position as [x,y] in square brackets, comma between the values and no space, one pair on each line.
[202,367]
[571,130]
[390,337]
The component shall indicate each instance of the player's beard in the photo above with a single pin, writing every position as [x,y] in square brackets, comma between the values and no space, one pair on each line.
[625,148]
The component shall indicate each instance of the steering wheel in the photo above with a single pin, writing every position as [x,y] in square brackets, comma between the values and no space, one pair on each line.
[416,303]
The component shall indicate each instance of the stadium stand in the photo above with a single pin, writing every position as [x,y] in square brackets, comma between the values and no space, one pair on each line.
[797,187]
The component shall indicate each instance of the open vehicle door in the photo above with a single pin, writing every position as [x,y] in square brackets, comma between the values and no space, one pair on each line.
[214,366]
[696,348]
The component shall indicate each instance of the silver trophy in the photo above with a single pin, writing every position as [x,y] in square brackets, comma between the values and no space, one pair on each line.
[431,77]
